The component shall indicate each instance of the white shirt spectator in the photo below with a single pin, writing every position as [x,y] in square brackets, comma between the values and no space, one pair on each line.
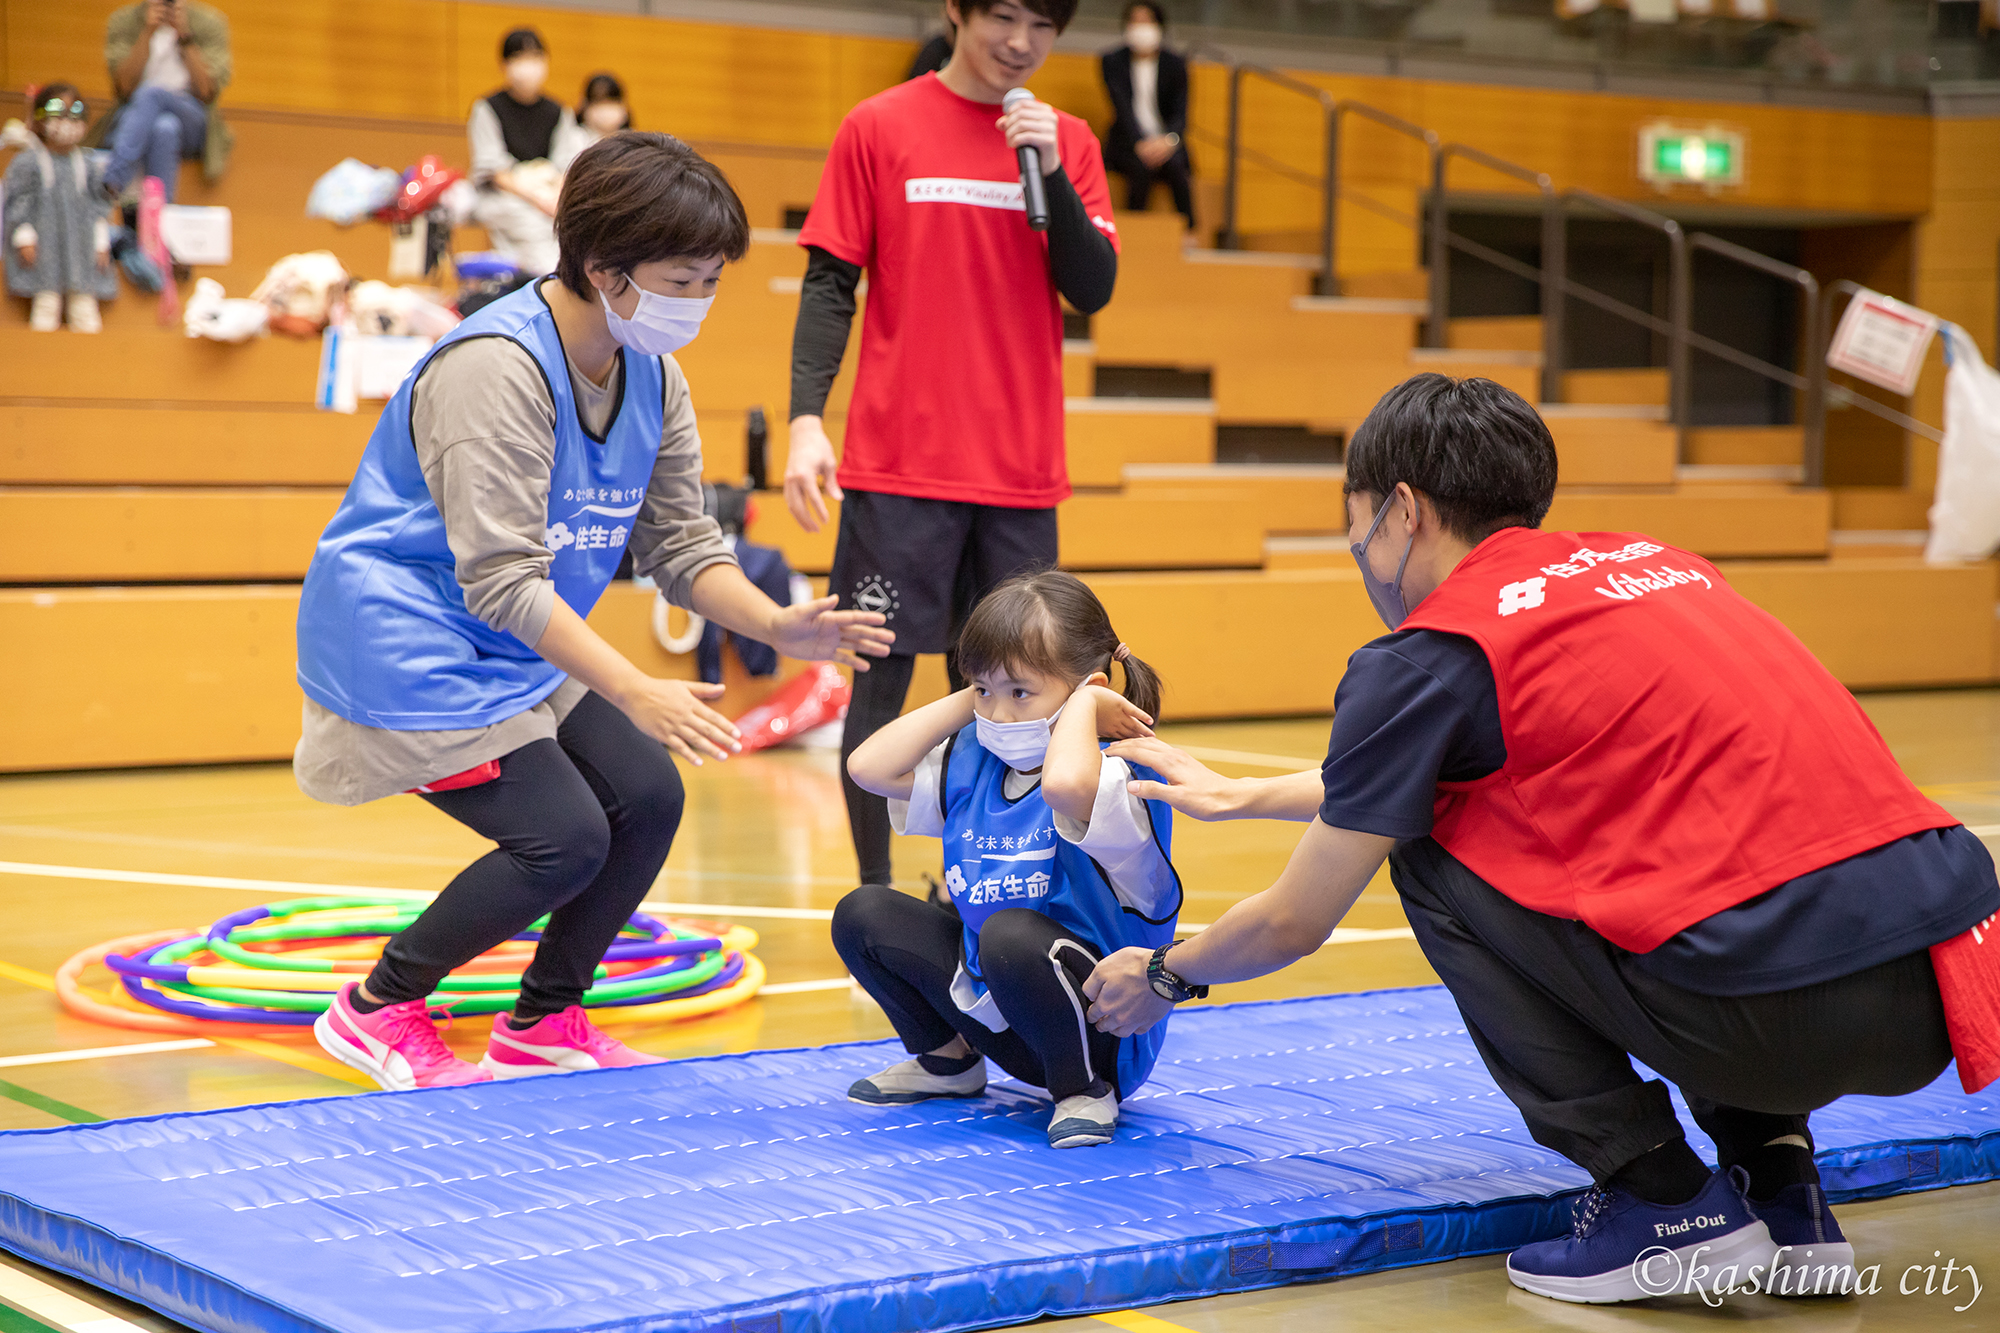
[164,66]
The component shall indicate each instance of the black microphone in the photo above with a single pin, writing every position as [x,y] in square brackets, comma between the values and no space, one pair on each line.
[1032,191]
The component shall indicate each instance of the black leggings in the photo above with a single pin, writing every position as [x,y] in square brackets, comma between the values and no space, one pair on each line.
[584,823]
[904,952]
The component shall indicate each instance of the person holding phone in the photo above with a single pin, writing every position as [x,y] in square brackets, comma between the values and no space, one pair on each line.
[169,61]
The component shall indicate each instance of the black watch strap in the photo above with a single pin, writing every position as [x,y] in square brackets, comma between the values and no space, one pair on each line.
[1168,985]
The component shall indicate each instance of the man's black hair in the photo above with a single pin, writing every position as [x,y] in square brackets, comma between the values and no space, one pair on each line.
[1058,12]
[522,41]
[1479,450]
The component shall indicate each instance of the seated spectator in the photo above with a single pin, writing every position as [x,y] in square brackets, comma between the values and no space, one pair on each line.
[57,239]
[522,142]
[169,61]
[934,54]
[602,110]
[1148,86]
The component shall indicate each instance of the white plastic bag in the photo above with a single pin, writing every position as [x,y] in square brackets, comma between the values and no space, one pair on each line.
[1965,517]
[211,314]
[350,191]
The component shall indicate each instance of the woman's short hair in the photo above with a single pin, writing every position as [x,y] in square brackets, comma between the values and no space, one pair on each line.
[522,41]
[636,197]
[1154,7]
[1479,450]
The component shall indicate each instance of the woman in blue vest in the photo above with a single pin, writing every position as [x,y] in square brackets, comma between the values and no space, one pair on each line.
[443,647]
[1051,863]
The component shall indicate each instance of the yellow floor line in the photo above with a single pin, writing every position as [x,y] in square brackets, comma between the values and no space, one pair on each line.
[57,1306]
[1132,1321]
[270,1050]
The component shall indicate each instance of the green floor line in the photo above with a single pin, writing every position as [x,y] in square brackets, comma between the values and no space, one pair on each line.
[14,1321]
[76,1115]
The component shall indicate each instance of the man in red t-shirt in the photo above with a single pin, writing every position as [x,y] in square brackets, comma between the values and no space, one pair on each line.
[954,460]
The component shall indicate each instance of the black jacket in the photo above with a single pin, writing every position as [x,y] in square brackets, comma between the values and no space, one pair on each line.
[1172,94]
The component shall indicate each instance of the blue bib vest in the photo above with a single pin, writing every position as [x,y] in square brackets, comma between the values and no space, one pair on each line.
[385,638]
[1001,853]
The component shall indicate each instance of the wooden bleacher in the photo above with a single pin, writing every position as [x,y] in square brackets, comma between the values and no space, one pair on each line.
[160,497]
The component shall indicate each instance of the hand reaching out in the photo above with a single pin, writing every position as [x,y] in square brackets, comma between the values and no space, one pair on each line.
[815,632]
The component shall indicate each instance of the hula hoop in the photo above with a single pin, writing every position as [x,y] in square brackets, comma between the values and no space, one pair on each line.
[279,966]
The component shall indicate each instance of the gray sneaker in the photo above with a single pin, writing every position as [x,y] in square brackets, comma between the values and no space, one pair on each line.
[908,1081]
[1083,1121]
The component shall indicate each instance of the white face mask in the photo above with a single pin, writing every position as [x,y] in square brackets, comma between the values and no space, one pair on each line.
[1019,745]
[605,117]
[63,135]
[526,75]
[661,325]
[1144,38]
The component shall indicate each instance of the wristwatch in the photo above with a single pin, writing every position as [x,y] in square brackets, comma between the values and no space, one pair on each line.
[1166,984]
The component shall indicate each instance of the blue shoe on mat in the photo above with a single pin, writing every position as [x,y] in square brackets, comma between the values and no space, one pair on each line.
[1814,1258]
[1625,1249]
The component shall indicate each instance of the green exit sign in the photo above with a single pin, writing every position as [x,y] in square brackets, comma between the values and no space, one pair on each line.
[1674,154]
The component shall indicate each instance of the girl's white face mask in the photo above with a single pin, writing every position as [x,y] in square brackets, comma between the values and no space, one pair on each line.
[605,117]
[1021,746]
[64,134]
[661,325]
[1144,38]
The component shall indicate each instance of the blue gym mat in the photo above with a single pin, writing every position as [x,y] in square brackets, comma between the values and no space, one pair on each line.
[1277,1142]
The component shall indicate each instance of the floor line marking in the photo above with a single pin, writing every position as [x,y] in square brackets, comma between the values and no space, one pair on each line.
[1137,1321]
[1249,758]
[76,1115]
[800,987]
[103,1052]
[45,1301]
[20,1321]
[110,876]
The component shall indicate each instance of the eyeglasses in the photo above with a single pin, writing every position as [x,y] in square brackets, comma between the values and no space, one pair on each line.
[56,108]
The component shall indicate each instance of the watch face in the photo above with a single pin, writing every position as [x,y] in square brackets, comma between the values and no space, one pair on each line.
[1163,988]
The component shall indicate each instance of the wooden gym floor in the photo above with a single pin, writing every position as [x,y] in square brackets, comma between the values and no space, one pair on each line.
[87,857]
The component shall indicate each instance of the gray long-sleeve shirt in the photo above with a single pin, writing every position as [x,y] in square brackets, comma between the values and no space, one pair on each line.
[484,429]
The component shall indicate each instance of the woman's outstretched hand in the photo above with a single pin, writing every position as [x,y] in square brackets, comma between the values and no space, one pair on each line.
[672,712]
[815,632]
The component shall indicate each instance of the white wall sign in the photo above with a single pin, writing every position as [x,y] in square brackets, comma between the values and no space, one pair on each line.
[1883,341]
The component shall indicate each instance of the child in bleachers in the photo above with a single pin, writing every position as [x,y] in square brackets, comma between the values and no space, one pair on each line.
[58,237]
[1052,863]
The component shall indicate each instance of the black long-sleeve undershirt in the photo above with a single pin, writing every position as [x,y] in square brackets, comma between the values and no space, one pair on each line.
[1082,262]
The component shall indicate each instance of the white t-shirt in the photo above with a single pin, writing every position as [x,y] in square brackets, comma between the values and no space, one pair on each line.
[1146,95]
[164,66]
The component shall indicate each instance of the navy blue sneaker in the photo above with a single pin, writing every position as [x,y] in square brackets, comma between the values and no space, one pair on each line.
[1814,1259]
[1625,1249]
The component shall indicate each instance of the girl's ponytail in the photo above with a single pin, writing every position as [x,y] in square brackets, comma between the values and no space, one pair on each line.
[1142,683]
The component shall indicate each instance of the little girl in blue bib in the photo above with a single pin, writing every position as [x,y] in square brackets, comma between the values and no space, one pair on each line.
[1051,862]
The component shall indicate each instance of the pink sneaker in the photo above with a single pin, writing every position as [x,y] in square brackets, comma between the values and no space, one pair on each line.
[397,1045]
[562,1043]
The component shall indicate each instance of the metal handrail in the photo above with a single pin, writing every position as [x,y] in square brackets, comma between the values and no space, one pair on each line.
[1553,276]
[1437,328]
[1814,425]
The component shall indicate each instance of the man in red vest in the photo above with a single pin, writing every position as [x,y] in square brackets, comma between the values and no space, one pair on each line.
[1629,815]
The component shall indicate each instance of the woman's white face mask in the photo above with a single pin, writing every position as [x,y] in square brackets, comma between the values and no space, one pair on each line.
[605,117]
[1144,38]
[526,75]
[660,325]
